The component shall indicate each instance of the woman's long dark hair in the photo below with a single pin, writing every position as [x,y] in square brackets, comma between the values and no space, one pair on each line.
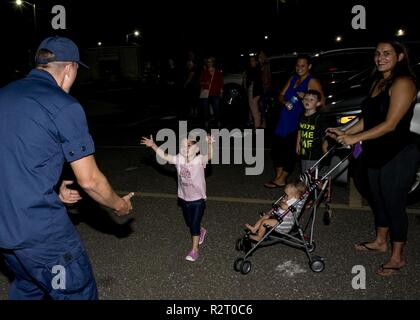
[402,68]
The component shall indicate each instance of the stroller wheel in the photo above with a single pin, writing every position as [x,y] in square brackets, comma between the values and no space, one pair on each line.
[246,267]
[327,217]
[239,245]
[317,264]
[237,265]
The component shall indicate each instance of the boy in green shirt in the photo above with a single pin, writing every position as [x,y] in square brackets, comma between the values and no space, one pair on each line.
[310,144]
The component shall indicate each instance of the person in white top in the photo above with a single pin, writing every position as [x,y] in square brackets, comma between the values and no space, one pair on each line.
[292,193]
[190,165]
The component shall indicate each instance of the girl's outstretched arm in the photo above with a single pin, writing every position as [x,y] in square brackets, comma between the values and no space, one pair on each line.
[148,142]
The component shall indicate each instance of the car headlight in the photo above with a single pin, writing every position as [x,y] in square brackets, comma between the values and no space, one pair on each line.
[346,119]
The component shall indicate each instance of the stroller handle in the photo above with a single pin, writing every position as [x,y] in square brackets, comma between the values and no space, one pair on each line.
[338,164]
[323,157]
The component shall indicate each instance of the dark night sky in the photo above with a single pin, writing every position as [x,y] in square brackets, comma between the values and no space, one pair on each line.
[210,26]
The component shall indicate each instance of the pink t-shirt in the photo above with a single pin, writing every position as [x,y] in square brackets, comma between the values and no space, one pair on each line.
[191,178]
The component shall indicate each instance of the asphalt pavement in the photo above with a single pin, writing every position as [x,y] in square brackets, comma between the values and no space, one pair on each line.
[142,257]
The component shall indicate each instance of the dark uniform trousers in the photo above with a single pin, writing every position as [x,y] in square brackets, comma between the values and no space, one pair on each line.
[35,280]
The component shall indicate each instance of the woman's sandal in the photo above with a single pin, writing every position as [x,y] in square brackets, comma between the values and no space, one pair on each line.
[364,248]
[387,271]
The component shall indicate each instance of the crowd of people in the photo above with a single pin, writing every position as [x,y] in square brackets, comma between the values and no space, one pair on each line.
[195,90]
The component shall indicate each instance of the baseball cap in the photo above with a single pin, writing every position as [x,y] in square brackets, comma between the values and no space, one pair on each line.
[63,49]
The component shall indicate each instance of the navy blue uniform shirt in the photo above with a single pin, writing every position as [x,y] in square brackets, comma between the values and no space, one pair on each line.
[41,127]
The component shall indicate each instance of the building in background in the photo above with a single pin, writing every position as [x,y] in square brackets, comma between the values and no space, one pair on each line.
[112,64]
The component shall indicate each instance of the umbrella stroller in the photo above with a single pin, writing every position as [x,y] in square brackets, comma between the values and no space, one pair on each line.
[301,236]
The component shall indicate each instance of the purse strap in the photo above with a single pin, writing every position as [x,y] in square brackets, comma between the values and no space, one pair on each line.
[211,80]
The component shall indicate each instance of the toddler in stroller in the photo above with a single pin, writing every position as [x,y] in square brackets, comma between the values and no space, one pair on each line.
[289,221]
[292,192]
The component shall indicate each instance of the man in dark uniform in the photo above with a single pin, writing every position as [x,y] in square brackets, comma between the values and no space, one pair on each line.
[41,127]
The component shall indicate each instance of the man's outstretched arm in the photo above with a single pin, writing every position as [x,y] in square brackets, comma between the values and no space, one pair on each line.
[96,185]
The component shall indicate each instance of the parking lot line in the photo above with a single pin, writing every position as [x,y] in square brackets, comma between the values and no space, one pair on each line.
[250,201]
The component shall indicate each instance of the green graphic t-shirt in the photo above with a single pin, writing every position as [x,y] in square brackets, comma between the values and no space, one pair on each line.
[312,131]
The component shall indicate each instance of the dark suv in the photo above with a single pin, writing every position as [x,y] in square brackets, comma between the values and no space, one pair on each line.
[335,66]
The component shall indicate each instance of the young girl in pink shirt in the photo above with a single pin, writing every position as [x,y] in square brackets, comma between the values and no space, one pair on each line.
[192,197]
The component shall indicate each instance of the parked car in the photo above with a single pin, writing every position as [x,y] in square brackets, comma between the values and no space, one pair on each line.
[332,67]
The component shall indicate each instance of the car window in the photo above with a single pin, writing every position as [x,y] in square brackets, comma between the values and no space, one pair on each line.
[233,64]
[281,69]
[343,62]
[283,64]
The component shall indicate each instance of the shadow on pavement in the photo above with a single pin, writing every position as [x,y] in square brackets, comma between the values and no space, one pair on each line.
[100,218]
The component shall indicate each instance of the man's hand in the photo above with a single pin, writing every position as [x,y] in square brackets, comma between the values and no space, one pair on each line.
[126,206]
[67,195]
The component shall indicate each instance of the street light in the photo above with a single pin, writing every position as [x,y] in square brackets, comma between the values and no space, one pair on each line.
[136,33]
[20,3]
[400,33]
[338,39]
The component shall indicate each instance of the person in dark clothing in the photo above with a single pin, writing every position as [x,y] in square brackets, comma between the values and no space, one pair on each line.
[191,89]
[42,128]
[389,152]
[254,88]
[266,84]
[172,88]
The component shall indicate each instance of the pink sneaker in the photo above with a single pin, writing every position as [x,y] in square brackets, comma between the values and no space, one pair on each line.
[192,256]
[202,235]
